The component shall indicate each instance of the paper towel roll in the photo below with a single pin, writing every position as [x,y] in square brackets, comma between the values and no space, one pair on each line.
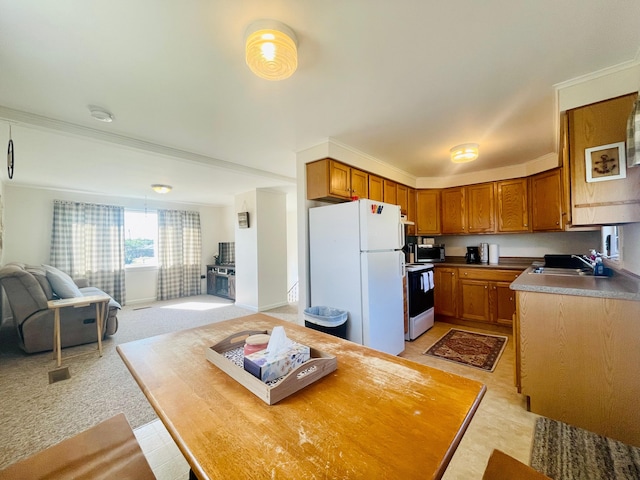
[494,256]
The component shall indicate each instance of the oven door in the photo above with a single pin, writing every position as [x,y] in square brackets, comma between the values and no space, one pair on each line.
[420,295]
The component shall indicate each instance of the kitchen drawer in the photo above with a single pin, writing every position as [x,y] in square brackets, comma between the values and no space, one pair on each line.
[488,274]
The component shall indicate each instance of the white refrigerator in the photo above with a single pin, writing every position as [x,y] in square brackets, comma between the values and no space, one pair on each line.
[356,265]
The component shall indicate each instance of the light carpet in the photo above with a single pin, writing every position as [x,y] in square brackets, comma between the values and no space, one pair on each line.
[564,452]
[36,414]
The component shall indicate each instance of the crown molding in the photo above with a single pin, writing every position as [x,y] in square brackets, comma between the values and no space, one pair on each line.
[15,117]
[599,73]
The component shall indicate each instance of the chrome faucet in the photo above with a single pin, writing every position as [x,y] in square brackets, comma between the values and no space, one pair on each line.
[590,264]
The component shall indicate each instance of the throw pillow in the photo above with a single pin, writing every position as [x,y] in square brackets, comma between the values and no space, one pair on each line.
[61,283]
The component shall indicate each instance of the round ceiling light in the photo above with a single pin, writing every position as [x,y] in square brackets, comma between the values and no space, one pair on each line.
[159,188]
[271,49]
[101,114]
[466,152]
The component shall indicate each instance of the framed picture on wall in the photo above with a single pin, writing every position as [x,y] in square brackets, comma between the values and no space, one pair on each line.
[243,219]
[606,162]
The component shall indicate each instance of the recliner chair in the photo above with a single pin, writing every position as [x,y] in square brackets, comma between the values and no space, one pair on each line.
[28,290]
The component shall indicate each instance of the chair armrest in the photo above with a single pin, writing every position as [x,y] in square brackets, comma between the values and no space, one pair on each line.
[81,282]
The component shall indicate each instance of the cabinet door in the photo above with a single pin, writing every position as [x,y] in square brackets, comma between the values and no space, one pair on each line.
[232,287]
[480,208]
[411,211]
[340,179]
[474,300]
[359,183]
[453,210]
[602,202]
[546,201]
[428,212]
[402,197]
[445,292]
[503,303]
[513,212]
[376,188]
[390,194]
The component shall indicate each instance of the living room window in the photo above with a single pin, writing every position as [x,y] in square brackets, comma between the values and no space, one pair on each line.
[141,238]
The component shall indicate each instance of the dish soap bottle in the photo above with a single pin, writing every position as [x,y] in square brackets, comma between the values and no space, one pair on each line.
[598,269]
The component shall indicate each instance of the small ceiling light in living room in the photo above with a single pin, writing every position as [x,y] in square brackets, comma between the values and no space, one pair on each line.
[101,114]
[158,188]
[271,50]
[467,152]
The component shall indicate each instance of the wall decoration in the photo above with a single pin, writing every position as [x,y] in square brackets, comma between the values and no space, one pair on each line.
[606,162]
[243,219]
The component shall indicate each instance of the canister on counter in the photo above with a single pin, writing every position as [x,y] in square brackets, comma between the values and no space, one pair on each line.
[255,343]
[484,253]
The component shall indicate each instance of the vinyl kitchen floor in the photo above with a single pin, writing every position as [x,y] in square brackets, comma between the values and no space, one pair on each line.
[501,421]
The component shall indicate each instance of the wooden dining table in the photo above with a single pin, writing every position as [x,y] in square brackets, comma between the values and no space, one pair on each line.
[375,416]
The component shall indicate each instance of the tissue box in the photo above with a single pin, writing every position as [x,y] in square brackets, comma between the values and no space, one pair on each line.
[266,370]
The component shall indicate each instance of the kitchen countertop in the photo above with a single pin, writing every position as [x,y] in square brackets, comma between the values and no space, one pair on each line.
[505,263]
[620,285]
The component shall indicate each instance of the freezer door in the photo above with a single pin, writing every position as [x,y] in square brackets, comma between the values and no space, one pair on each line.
[382,301]
[380,227]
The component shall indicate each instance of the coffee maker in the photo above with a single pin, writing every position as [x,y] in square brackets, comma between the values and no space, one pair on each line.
[473,255]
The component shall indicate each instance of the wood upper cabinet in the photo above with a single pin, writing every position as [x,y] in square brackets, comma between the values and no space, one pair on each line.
[376,188]
[609,201]
[454,218]
[402,197]
[513,208]
[390,192]
[445,294]
[547,201]
[480,208]
[427,212]
[334,181]
[411,211]
[359,183]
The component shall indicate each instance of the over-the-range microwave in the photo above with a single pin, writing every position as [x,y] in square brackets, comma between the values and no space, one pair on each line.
[427,253]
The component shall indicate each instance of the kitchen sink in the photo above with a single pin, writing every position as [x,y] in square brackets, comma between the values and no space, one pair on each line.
[567,272]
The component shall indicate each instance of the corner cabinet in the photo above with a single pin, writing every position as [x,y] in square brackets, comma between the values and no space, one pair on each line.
[445,293]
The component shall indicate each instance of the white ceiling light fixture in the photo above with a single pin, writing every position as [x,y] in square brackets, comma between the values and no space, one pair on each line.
[101,114]
[466,152]
[159,188]
[271,49]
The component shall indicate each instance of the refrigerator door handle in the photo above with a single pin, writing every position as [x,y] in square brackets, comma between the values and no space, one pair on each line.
[401,234]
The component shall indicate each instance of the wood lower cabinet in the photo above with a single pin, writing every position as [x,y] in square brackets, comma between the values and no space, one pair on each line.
[484,295]
[547,213]
[578,361]
[513,205]
[445,292]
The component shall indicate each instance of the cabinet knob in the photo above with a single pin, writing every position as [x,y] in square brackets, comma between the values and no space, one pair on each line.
[557,223]
[465,274]
[526,225]
[485,287]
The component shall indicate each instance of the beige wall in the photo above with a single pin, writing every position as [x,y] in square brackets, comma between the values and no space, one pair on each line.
[28,216]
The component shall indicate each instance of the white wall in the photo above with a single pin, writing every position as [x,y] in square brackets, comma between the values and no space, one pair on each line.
[534,245]
[261,251]
[28,216]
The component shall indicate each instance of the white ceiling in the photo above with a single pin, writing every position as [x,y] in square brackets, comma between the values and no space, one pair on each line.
[401,81]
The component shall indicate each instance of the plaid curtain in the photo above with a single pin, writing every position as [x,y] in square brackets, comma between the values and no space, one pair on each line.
[179,254]
[87,241]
